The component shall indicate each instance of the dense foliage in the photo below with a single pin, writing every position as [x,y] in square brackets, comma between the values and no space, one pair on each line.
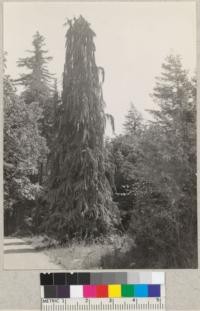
[79,196]
[23,148]
[156,173]
[26,136]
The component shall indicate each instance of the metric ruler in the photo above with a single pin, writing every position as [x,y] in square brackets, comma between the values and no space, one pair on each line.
[102,291]
[121,304]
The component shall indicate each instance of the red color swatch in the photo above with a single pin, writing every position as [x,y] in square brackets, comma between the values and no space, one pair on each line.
[101,291]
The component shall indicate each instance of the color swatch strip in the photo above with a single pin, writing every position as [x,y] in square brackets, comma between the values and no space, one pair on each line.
[96,278]
[101,291]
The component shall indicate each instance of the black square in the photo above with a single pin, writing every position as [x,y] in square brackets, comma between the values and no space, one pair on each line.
[50,291]
[84,278]
[59,278]
[71,279]
[46,278]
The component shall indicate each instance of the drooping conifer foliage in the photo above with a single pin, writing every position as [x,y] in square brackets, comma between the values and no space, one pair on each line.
[79,196]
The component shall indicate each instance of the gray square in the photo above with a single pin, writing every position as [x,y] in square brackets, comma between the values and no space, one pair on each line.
[121,278]
[133,278]
[96,278]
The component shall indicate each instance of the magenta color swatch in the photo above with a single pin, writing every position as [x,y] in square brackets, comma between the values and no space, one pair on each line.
[89,291]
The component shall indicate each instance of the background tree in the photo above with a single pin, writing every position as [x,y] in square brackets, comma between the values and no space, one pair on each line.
[169,167]
[125,154]
[79,196]
[133,121]
[155,177]
[176,122]
[23,148]
[52,118]
[37,83]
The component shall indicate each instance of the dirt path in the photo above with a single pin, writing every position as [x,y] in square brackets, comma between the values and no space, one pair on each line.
[19,255]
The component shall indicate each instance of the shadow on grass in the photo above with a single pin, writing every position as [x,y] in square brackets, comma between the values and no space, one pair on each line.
[140,258]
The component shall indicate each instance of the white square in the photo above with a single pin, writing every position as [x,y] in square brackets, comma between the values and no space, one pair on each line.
[76,291]
[42,291]
[158,278]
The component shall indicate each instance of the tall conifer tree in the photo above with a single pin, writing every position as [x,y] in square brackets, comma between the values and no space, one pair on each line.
[133,121]
[79,192]
[175,95]
[169,164]
[37,81]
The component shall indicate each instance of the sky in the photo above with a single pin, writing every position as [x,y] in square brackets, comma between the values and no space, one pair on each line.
[132,41]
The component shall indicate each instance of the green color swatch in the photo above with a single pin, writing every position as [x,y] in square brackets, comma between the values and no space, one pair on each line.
[127,290]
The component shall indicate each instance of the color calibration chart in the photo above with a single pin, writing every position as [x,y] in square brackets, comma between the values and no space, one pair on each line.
[102,291]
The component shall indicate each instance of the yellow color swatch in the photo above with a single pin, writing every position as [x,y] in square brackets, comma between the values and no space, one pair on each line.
[114,291]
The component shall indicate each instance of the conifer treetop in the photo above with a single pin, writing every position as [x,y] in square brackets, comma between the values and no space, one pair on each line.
[38,80]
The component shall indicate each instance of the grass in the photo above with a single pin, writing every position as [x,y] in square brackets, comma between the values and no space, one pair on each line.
[81,255]
[114,252]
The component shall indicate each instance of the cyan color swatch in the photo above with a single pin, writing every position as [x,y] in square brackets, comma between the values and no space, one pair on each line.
[141,290]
